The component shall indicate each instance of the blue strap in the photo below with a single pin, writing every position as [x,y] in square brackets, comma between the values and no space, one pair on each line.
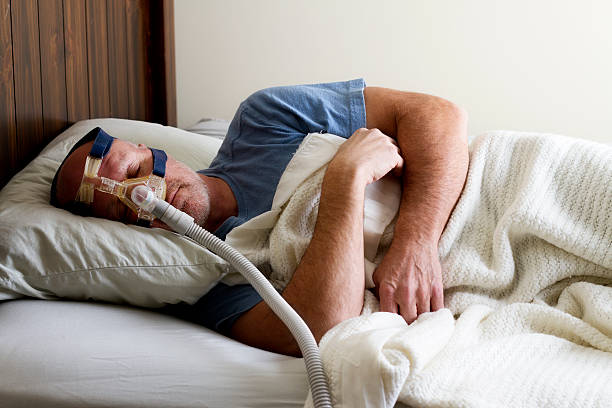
[102,144]
[159,162]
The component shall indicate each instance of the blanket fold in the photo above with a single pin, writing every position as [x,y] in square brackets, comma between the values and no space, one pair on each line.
[527,264]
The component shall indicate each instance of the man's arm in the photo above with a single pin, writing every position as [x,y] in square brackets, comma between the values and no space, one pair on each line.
[328,285]
[432,136]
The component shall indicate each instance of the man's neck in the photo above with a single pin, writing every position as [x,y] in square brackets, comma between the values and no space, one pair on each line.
[223,203]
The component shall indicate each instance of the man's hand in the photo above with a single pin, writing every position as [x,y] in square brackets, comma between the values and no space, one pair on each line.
[409,280]
[369,155]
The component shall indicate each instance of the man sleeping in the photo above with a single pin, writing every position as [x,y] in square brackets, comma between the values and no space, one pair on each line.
[420,136]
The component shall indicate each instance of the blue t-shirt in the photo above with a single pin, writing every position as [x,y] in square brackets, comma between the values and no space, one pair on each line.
[263,136]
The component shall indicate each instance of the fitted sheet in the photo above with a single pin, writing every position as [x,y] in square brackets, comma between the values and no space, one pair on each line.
[79,354]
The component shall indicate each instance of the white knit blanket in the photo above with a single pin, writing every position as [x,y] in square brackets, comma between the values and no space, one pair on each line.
[527,261]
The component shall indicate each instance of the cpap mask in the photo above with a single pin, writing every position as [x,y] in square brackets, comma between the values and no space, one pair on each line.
[91,181]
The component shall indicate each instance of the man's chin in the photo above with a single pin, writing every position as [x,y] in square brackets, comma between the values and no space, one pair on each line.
[201,218]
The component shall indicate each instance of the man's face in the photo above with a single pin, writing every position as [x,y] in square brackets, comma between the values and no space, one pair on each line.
[185,189]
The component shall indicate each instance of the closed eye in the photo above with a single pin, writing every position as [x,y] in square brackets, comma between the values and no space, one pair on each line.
[133,170]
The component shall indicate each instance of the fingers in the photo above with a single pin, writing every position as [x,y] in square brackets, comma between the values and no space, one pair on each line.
[409,313]
[386,295]
[412,299]
[398,169]
[408,307]
[409,281]
[423,299]
[379,150]
[403,300]
[398,164]
[437,298]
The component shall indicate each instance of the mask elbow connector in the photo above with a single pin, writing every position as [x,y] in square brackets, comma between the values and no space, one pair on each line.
[145,199]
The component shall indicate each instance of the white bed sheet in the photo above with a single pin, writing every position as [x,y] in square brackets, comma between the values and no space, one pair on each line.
[77,354]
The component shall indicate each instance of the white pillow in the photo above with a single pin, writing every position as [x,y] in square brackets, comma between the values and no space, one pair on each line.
[210,127]
[46,252]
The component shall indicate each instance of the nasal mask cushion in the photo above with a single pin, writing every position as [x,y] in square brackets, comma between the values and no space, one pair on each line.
[91,181]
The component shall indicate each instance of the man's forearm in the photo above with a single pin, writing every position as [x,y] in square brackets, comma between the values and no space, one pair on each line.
[331,273]
[436,162]
[328,285]
[432,136]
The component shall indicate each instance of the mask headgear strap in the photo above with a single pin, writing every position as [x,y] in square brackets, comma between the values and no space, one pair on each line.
[159,170]
[100,148]
[101,145]
[159,162]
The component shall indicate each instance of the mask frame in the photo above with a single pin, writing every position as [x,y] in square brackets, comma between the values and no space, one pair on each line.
[91,181]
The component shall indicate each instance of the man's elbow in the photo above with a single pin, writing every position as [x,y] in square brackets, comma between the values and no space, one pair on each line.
[456,112]
[437,105]
[459,116]
[432,114]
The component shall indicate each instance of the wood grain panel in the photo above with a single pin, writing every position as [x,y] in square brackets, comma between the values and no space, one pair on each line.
[161,61]
[8,147]
[138,78]
[100,58]
[169,62]
[117,59]
[97,57]
[26,72]
[75,49]
[53,69]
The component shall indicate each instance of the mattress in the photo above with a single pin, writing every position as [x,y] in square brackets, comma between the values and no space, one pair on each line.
[80,354]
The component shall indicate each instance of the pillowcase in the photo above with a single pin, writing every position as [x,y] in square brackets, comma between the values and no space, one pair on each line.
[210,127]
[46,252]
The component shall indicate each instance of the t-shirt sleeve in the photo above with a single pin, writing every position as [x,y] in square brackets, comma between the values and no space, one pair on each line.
[218,309]
[286,111]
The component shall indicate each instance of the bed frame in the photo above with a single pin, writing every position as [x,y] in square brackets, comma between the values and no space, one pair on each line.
[62,61]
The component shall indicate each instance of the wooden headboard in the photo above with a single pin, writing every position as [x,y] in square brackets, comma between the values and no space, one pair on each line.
[62,61]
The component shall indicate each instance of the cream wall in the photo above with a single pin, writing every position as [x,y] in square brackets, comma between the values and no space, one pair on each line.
[535,65]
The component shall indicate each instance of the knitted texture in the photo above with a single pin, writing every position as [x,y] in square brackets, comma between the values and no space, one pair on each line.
[527,271]
[527,261]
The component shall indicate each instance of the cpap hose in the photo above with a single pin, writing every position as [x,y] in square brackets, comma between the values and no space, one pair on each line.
[184,224]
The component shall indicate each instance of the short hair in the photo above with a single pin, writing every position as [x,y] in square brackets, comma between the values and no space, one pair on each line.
[73,206]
